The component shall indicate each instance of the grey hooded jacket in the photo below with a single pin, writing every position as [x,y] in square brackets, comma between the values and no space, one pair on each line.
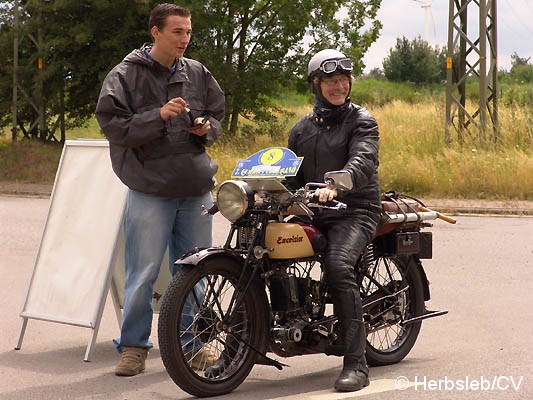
[151,155]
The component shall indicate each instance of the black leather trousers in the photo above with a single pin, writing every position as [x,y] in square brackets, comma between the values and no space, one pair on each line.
[348,232]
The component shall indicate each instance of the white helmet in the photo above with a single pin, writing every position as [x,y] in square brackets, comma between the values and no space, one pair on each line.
[327,62]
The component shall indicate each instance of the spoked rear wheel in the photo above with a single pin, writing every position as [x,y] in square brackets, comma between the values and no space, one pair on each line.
[193,333]
[392,292]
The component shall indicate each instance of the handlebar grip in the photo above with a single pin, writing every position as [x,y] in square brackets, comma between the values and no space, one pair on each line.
[450,220]
[213,210]
[330,204]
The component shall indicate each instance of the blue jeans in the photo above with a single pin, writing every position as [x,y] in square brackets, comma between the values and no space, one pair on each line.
[152,223]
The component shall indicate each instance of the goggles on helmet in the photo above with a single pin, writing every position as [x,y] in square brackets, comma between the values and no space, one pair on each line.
[341,64]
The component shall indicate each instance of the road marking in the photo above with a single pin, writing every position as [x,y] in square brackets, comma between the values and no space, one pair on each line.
[377,386]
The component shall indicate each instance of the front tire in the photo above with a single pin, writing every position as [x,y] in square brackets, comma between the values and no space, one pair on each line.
[388,340]
[204,292]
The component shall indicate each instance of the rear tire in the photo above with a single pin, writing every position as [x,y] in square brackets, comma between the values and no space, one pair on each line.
[231,344]
[389,342]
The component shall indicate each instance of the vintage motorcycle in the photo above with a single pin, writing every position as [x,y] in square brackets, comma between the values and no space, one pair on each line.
[263,290]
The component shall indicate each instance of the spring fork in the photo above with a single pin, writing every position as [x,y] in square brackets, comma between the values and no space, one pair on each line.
[368,261]
[238,295]
[369,258]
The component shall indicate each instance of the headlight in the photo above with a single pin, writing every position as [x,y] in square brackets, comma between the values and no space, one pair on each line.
[234,198]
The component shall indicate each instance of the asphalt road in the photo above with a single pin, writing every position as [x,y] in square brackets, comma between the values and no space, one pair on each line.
[482,272]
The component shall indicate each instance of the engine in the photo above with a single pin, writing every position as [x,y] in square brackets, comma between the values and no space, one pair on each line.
[299,326]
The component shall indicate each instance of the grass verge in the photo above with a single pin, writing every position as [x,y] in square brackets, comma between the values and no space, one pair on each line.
[414,158]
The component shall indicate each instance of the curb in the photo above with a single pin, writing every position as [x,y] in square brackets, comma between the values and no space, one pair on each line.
[445,206]
[25,189]
[486,211]
[481,207]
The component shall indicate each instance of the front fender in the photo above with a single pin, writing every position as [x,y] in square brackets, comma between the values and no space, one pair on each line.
[196,256]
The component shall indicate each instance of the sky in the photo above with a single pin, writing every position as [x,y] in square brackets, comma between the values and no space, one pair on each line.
[411,19]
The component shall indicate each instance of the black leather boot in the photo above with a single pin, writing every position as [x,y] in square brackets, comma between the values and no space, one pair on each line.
[230,350]
[354,374]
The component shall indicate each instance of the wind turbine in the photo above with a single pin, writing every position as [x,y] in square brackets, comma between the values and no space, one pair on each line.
[428,15]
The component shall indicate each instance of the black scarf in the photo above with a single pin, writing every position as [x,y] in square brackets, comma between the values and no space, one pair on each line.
[330,113]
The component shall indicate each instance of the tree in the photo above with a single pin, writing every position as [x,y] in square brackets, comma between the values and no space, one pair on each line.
[256,47]
[517,61]
[78,42]
[521,69]
[415,61]
[252,47]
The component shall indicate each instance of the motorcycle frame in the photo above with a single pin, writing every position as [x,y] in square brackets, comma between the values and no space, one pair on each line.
[244,257]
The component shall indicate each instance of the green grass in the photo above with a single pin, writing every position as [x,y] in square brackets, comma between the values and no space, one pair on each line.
[375,92]
[91,130]
[29,161]
[414,158]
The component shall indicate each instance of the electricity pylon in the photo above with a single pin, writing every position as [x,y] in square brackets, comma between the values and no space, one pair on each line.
[32,92]
[472,57]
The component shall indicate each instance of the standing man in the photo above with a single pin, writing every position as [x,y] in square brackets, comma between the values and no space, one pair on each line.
[340,135]
[159,111]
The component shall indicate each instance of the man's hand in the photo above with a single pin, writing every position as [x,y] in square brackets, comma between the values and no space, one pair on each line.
[173,108]
[201,126]
[324,194]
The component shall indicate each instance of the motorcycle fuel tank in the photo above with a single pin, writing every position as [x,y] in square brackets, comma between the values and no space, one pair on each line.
[289,240]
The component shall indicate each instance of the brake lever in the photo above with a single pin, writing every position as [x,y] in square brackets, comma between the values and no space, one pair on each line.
[212,211]
[330,205]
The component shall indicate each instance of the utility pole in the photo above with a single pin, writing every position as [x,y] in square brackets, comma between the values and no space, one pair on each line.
[14,107]
[472,58]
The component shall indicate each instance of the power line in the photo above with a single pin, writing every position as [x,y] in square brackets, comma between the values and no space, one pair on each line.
[528,6]
[518,16]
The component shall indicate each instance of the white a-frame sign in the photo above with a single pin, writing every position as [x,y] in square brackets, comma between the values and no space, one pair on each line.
[76,256]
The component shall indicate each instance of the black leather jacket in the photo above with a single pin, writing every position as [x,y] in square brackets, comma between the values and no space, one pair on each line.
[350,143]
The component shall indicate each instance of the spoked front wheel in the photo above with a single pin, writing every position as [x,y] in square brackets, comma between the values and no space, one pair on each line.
[392,293]
[204,353]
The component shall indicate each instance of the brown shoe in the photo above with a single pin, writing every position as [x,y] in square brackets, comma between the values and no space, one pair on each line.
[131,361]
[202,359]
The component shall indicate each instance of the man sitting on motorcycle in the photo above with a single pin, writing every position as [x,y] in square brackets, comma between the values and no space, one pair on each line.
[341,135]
